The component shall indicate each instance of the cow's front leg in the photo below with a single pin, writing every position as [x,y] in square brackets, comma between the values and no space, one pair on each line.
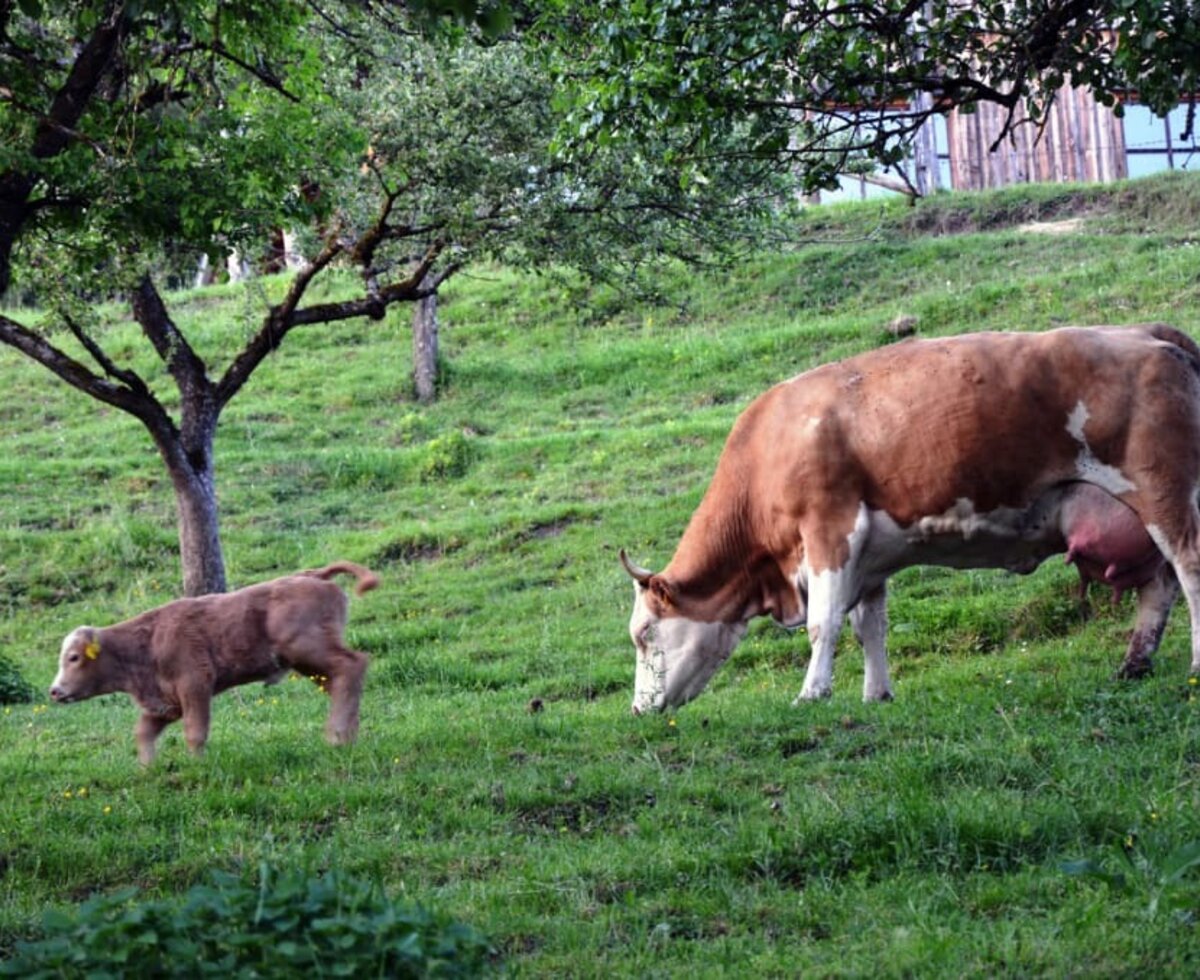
[149,727]
[1155,599]
[869,619]
[828,602]
[832,592]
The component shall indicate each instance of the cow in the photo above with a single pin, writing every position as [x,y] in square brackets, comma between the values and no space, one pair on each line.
[173,659]
[984,450]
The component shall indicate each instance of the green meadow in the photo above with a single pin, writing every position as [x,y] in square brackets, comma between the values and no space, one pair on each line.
[1015,812]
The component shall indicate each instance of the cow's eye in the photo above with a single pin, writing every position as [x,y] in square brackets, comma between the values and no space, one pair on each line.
[645,636]
[73,658]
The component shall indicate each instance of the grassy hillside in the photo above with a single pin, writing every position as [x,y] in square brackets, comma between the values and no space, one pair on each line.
[738,836]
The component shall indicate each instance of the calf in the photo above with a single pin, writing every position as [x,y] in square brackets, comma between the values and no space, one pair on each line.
[172,660]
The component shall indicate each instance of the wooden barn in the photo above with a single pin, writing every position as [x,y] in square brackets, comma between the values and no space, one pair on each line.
[1082,140]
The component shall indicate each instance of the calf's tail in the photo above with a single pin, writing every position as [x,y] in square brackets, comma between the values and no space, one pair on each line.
[367,579]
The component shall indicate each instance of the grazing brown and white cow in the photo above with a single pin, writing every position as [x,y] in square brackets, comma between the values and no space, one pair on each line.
[988,450]
[172,660]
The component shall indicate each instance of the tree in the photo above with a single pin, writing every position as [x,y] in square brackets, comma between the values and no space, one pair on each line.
[818,84]
[136,134]
[128,130]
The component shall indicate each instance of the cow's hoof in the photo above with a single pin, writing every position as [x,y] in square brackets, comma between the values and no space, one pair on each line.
[818,694]
[1135,670]
[881,696]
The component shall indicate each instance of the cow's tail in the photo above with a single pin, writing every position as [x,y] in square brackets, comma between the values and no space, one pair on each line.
[1167,333]
[367,579]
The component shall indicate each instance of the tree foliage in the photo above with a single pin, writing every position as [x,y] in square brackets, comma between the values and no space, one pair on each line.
[816,84]
[137,135]
[462,164]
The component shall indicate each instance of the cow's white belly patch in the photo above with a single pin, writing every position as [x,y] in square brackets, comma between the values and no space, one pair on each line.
[1011,538]
[962,520]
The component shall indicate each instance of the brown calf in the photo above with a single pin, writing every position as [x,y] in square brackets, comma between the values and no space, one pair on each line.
[172,660]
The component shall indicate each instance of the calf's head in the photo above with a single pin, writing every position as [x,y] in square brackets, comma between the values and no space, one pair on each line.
[676,655]
[81,674]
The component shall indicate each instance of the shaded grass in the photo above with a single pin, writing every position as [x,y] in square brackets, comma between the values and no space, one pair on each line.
[499,775]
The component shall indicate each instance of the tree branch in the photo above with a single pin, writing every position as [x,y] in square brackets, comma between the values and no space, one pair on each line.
[90,66]
[411,288]
[276,324]
[129,378]
[136,399]
[176,353]
[269,79]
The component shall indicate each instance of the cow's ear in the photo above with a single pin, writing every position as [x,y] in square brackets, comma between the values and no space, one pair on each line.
[661,589]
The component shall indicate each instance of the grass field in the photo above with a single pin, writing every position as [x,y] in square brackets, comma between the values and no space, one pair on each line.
[1016,811]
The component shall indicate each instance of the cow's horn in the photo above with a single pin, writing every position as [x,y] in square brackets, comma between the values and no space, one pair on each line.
[636,572]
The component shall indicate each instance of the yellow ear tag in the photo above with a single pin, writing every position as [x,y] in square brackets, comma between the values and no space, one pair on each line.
[92,650]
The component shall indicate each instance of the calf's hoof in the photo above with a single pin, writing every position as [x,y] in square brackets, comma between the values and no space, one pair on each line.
[815,694]
[885,695]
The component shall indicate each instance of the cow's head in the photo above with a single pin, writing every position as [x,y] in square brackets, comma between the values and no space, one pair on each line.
[81,673]
[676,655]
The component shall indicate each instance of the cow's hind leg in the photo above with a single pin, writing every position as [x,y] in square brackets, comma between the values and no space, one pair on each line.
[1186,562]
[1176,532]
[869,619]
[1155,599]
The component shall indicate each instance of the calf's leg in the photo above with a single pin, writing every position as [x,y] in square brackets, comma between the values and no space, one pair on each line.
[149,727]
[346,672]
[197,713]
[324,657]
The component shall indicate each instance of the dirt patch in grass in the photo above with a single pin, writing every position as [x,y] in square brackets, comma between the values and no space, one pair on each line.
[1067,226]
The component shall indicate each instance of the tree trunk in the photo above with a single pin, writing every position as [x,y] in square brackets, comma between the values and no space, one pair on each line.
[425,348]
[187,449]
[200,554]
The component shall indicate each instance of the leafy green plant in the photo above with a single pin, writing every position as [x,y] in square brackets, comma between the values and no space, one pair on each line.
[14,689]
[1151,866]
[446,457]
[280,925]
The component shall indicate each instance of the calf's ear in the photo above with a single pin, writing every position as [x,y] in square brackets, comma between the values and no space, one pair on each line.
[91,644]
